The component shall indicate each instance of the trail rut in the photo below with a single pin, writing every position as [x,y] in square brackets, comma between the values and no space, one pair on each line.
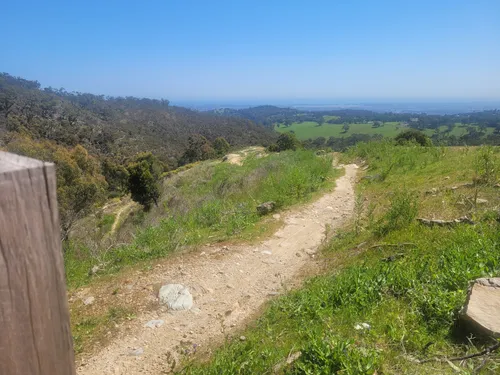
[229,285]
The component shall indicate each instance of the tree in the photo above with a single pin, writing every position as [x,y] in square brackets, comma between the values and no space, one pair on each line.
[80,185]
[345,128]
[116,176]
[287,141]
[199,148]
[221,146]
[144,174]
[413,135]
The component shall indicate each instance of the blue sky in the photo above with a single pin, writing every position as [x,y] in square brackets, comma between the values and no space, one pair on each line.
[258,50]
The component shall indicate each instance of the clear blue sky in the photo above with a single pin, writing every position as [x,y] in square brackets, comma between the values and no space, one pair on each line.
[265,50]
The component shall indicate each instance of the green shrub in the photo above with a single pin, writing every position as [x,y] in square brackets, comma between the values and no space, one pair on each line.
[330,355]
[402,211]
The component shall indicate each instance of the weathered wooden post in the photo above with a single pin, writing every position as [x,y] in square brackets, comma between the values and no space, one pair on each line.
[35,337]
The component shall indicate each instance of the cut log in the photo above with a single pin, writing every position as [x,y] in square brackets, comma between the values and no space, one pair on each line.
[35,335]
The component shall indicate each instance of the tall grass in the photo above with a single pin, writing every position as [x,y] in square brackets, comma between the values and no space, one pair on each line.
[210,202]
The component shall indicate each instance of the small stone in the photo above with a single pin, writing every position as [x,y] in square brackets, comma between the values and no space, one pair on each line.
[266,208]
[481,201]
[176,297]
[89,301]
[136,352]
[154,323]
[276,216]
[242,338]
[271,294]
[266,252]
[298,254]
[447,178]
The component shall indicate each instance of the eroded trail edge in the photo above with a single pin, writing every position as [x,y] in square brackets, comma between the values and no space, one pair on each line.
[228,286]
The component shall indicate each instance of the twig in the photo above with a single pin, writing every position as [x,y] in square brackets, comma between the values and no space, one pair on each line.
[486,351]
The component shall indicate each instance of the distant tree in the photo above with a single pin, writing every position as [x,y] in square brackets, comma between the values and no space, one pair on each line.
[287,141]
[221,146]
[144,175]
[273,148]
[199,148]
[319,142]
[116,176]
[413,135]
[376,124]
[345,127]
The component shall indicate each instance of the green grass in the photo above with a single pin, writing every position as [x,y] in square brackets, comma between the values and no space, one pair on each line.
[210,202]
[310,129]
[411,303]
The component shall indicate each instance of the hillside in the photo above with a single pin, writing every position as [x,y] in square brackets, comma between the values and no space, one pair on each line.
[116,127]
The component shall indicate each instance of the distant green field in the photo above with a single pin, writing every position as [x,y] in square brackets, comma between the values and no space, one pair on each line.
[310,129]
[328,118]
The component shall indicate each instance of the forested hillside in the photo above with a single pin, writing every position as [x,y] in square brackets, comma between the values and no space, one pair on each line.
[113,126]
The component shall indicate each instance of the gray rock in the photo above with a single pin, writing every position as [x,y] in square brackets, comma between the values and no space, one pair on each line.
[89,300]
[242,338]
[482,308]
[176,297]
[266,252]
[265,208]
[154,323]
[136,352]
[481,201]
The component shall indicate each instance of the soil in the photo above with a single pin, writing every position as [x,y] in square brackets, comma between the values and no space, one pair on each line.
[230,284]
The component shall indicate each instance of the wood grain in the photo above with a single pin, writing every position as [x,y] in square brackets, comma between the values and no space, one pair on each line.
[35,337]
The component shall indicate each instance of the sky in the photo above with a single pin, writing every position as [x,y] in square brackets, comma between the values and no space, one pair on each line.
[270,50]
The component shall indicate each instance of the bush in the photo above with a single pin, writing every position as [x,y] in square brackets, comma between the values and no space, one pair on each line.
[413,135]
[287,141]
[144,174]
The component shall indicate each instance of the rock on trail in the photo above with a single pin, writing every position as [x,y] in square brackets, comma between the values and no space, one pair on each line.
[227,288]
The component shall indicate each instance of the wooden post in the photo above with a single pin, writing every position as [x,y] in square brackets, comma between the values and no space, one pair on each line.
[35,336]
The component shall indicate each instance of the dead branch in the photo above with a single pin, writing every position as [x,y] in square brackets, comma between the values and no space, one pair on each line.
[486,351]
[445,223]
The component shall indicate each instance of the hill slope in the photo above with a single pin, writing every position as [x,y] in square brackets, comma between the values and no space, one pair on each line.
[114,126]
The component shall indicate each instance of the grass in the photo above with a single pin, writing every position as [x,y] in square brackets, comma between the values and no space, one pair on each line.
[209,202]
[409,296]
[311,129]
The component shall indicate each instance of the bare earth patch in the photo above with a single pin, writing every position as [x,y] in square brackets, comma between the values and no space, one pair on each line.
[229,285]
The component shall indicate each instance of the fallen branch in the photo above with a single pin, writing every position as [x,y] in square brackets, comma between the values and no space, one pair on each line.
[446,223]
[486,351]
[393,244]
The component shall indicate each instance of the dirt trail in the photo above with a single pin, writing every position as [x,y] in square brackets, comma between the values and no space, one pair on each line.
[229,285]
[118,214]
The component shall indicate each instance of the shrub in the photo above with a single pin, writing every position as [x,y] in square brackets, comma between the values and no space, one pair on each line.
[287,141]
[144,174]
[413,135]
[402,211]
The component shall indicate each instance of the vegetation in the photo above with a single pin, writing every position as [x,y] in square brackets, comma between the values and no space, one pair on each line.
[380,308]
[80,186]
[216,200]
[144,174]
[413,135]
[114,127]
